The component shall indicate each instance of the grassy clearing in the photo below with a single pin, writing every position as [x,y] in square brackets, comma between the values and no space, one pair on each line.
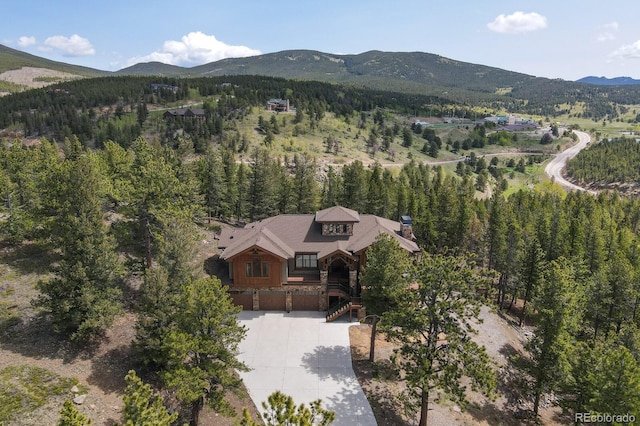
[610,129]
[302,137]
[26,388]
[6,86]
[532,176]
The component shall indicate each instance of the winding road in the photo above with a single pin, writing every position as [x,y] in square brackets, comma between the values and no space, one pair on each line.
[553,169]
[555,166]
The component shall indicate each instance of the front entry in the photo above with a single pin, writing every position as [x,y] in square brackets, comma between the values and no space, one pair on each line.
[338,272]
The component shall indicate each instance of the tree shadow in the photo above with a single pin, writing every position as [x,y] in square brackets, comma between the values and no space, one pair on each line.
[34,337]
[109,369]
[513,382]
[29,258]
[513,386]
[329,362]
[349,406]
[490,413]
[385,405]
[216,267]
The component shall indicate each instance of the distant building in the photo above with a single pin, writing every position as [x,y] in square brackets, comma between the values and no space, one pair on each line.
[159,86]
[278,105]
[497,119]
[196,113]
[510,121]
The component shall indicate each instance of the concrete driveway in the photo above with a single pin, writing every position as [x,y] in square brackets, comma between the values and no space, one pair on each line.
[303,356]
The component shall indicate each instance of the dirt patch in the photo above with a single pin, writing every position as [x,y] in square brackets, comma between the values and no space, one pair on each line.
[32,77]
[501,339]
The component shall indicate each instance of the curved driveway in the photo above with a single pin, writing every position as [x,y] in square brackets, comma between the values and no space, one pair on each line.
[303,356]
[555,166]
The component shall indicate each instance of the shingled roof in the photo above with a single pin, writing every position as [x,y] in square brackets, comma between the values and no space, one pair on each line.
[337,214]
[285,235]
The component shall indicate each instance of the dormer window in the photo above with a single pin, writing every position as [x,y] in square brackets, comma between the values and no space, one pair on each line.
[337,220]
[337,229]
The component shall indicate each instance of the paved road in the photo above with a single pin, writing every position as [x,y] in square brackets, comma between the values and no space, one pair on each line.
[555,166]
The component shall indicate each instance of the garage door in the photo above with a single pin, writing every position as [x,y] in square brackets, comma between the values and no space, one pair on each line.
[273,301]
[243,299]
[304,302]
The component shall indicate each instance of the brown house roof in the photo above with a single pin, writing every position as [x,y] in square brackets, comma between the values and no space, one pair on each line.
[185,112]
[337,214]
[286,235]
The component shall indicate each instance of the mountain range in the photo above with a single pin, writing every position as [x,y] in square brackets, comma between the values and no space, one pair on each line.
[406,72]
[604,81]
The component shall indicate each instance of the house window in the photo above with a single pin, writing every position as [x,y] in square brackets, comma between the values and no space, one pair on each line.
[306,261]
[256,268]
[336,229]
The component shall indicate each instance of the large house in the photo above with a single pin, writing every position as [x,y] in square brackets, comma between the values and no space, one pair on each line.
[197,113]
[304,261]
[278,105]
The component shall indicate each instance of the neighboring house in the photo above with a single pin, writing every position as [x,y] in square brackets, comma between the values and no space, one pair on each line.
[304,261]
[278,105]
[158,86]
[197,113]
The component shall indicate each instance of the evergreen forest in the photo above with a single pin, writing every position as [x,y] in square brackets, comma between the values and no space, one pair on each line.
[119,199]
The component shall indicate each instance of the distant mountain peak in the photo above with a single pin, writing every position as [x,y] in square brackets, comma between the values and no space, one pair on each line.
[604,81]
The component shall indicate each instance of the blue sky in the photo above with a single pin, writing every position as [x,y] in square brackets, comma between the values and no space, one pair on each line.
[566,39]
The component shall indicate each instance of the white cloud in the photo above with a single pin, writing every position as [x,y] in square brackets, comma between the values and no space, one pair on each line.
[612,26]
[607,32]
[195,48]
[26,41]
[518,22]
[629,51]
[70,46]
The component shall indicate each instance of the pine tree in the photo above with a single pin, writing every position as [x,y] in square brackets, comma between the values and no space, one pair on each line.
[242,184]
[202,346]
[210,174]
[432,327]
[231,188]
[83,298]
[331,189]
[556,302]
[531,273]
[160,188]
[376,192]
[142,406]
[69,416]
[261,194]
[355,184]
[305,186]
[385,278]
[616,382]
[281,410]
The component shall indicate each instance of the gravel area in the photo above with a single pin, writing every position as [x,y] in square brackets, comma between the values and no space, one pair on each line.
[27,76]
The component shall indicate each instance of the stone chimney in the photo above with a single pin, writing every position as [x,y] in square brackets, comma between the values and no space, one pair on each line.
[406,227]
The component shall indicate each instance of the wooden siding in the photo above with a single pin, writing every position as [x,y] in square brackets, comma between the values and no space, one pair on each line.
[239,271]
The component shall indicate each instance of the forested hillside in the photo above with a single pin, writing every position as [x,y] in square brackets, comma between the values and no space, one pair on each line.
[426,74]
[76,108]
[114,196]
[610,164]
[153,199]
[13,59]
